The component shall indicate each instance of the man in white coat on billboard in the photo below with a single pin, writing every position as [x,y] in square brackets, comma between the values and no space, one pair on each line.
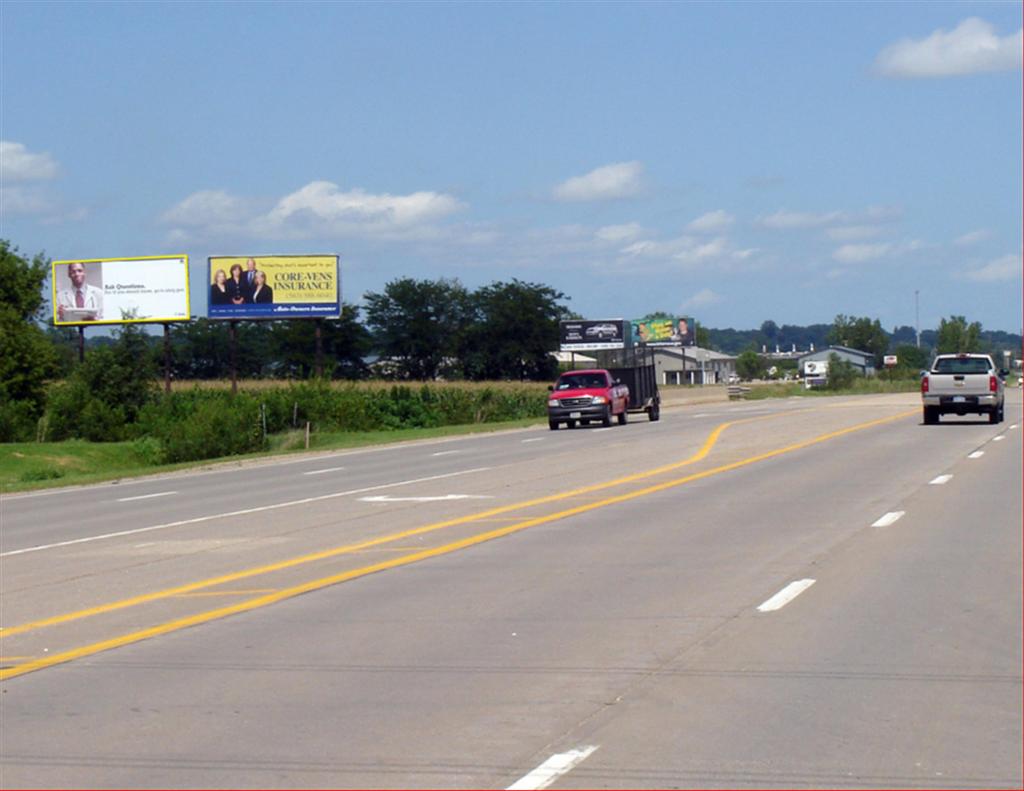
[79,301]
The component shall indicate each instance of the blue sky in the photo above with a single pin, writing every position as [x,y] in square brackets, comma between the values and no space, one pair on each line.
[732,161]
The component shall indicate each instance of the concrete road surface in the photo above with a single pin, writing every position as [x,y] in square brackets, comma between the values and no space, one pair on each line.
[801,593]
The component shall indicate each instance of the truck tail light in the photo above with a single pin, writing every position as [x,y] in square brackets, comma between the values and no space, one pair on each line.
[924,384]
[992,386]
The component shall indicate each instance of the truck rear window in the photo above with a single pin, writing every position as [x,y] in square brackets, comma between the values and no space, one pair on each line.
[961,365]
[580,381]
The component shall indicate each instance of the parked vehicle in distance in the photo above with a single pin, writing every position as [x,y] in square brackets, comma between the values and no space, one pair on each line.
[961,384]
[585,396]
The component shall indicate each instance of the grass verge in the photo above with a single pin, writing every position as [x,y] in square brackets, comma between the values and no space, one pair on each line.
[28,466]
[860,387]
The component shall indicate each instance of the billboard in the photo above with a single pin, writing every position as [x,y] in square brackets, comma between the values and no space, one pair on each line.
[274,287]
[664,332]
[120,290]
[584,335]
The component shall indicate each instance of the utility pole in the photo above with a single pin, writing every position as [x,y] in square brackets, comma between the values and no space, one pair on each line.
[917,317]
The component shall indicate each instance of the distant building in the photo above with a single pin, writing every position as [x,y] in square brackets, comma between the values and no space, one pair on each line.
[863,362]
[692,365]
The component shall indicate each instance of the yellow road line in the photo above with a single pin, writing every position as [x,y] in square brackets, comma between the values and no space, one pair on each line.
[224,593]
[180,590]
[323,582]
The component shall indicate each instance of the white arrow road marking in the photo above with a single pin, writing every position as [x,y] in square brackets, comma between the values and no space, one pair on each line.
[385,498]
[321,472]
[144,496]
[785,596]
[240,512]
[553,768]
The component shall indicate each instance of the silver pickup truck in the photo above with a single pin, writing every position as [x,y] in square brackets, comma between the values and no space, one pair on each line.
[963,383]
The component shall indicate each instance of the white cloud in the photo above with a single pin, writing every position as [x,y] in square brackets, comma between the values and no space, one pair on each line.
[319,209]
[972,237]
[618,180]
[787,220]
[712,222]
[207,208]
[1007,267]
[17,163]
[858,253]
[619,233]
[701,299]
[972,47]
[851,233]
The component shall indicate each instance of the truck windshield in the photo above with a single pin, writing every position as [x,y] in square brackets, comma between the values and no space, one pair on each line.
[961,365]
[580,381]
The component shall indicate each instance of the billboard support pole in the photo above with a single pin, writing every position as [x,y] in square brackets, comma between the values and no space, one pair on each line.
[81,343]
[319,349]
[167,357]
[233,337]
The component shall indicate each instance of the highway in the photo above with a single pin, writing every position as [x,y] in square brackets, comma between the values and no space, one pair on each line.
[796,593]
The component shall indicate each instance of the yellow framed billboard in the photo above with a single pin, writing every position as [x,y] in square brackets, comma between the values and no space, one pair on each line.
[274,287]
[144,289]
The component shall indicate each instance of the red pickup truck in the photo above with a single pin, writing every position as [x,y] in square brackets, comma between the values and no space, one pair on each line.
[585,396]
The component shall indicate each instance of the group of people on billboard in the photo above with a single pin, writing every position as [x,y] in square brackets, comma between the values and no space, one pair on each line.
[248,287]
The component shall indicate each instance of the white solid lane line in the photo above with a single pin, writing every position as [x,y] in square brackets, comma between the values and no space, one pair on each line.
[940,480]
[272,507]
[889,519]
[321,472]
[553,768]
[143,497]
[785,596]
[976,455]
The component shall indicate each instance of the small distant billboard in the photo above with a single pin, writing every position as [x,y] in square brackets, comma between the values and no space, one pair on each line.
[120,290]
[816,368]
[274,287]
[890,360]
[663,332]
[592,335]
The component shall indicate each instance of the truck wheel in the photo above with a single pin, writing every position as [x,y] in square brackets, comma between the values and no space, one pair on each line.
[623,417]
[606,418]
[931,416]
[993,416]
[553,425]
[654,413]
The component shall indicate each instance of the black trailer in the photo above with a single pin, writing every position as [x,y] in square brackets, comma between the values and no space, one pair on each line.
[634,367]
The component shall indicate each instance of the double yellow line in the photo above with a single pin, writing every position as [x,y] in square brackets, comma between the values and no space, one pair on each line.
[404,560]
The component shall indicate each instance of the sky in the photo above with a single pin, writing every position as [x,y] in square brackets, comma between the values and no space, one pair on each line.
[734,162]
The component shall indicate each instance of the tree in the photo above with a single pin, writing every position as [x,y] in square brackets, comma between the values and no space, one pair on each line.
[909,360]
[841,373]
[702,337]
[770,330]
[862,334]
[750,365]
[344,341]
[419,324]
[515,327]
[956,336]
[27,359]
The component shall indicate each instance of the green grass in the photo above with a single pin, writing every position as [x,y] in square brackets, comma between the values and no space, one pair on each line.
[28,465]
[872,386]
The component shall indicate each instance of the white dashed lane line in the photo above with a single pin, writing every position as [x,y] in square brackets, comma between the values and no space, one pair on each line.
[533,439]
[446,453]
[321,472]
[889,519]
[1000,438]
[976,455]
[143,497]
[940,480]
[553,768]
[785,596]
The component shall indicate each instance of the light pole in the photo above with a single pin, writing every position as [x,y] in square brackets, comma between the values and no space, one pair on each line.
[917,317]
